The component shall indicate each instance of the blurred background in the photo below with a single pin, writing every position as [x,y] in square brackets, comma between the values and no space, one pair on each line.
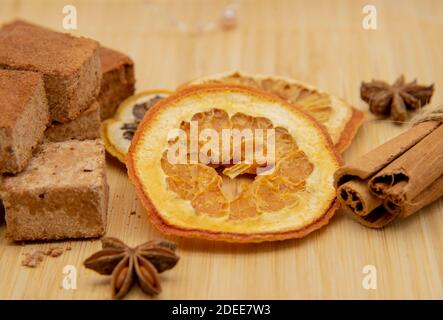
[318,41]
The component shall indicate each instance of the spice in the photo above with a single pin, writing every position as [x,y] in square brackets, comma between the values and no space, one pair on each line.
[129,265]
[396,179]
[395,100]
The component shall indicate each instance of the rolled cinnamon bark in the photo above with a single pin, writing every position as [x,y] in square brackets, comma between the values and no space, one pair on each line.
[355,195]
[396,179]
[406,177]
[429,195]
[377,218]
[380,157]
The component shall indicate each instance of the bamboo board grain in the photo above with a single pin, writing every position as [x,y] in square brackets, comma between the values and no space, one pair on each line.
[321,42]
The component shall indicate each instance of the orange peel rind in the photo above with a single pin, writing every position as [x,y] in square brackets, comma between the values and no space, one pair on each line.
[198,200]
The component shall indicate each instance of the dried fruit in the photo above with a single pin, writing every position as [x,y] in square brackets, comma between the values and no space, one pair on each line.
[232,200]
[340,119]
[118,131]
[395,100]
[129,265]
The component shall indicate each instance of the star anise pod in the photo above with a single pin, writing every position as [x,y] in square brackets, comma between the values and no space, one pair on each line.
[127,265]
[395,100]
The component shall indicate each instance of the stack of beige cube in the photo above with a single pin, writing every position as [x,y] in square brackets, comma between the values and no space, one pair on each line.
[52,163]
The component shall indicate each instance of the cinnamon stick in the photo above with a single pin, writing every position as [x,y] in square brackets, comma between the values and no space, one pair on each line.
[380,157]
[396,179]
[406,177]
[429,195]
[355,194]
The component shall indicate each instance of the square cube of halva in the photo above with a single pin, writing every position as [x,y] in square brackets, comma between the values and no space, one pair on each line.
[70,65]
[24,116]
[62,193]
[85,127]
[118,82]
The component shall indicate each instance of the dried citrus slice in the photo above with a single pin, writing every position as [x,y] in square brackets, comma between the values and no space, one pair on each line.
[117,132]
[246,201]
[340,119]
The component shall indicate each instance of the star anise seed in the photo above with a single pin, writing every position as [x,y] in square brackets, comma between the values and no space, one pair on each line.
[395,100]
[127,265]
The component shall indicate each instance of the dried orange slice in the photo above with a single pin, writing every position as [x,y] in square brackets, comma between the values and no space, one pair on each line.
[244,201]
[340,119]
[117,132]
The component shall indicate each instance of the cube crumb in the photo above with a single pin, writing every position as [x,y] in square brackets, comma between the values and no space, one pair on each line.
[62,193]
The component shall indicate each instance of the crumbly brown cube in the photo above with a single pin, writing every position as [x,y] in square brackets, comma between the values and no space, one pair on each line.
[118,81]
[24,115]
[70,65]
[85,127]
[62,194]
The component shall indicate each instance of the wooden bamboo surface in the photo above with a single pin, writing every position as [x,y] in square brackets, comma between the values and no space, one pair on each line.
[320,42]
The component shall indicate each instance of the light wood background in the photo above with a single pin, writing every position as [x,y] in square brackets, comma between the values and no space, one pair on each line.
[321,42]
